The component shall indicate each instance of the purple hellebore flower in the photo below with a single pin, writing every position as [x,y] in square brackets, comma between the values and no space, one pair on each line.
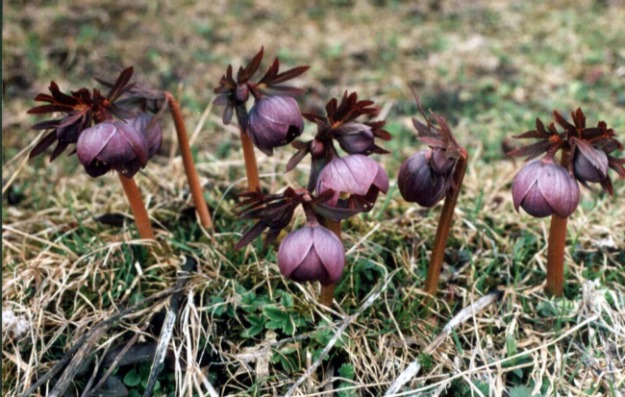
[274,121]
[419,183]
[312,253]
[153,134]
[356,175]
[590,164]
[112,145]
[544,188]
[355,138]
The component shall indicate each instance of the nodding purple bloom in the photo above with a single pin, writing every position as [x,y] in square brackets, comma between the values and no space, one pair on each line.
[355,138]
[441,162]
[590,164]
[112,145]
[312,253]
[151,131]
[274,121]
[419,183]
[356,181]
[543,188]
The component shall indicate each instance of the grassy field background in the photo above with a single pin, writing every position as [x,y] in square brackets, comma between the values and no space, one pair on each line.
[71,260]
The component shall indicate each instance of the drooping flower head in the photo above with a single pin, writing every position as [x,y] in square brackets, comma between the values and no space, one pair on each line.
[426,177]
[112,145]
[340,125]
[355,182]
[312,253]
[85,109]
[419,183]
[543,188]
[588,151]
[275,119]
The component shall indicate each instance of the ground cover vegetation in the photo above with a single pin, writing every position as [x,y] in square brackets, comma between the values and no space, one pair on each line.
[90,308]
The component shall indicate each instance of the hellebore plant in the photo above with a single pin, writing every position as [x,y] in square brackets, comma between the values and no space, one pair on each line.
[429,176]
[312,253]
[342,187]
[544,188]
[274,120]
[354,181]
[112,132]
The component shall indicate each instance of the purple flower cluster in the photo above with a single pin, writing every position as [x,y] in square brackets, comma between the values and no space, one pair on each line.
[275,119]
[544,188]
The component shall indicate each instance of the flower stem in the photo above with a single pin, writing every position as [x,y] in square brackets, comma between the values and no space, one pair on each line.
[555,247]
[138,209]
[251,168]
[444,225]
[555,255]
[327,291]
[189,165]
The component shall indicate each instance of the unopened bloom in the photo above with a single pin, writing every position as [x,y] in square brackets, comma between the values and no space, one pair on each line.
[112,145]
[355,138]
[590,164]
[274,121]
[543,188]
[151,131]
[419,183]
[312,253]
[356,181]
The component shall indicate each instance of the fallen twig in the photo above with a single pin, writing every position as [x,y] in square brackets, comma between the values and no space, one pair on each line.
[464,315]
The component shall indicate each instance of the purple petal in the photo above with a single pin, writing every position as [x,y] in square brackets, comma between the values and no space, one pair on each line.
[524,180]
[294,249]
[331,253]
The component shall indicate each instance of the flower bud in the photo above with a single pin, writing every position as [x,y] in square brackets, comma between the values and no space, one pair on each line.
[543,188]
[440,162]
[590,164]
[112,145]
[274,121]
[357,176]
[355,138]
[152,134]
[418,183]
[312,253]
[241,93]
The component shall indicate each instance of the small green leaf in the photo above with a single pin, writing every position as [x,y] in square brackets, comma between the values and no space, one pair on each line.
[347,371]
[132,378]
[520,391]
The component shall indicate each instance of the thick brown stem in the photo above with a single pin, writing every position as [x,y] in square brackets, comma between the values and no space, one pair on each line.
[327,291]
[555,255]
[189,165]
[251,168]
[444,225]
[555,247]
[138,209]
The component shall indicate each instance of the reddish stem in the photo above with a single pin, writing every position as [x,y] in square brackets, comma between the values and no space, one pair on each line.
[327,291]
[138,209]
[189,165]
[251,168]
[444,225]
[555,247]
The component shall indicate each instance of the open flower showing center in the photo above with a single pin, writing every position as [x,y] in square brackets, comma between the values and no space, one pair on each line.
[543,188]
[356,181]
[312,253]
[112,145]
